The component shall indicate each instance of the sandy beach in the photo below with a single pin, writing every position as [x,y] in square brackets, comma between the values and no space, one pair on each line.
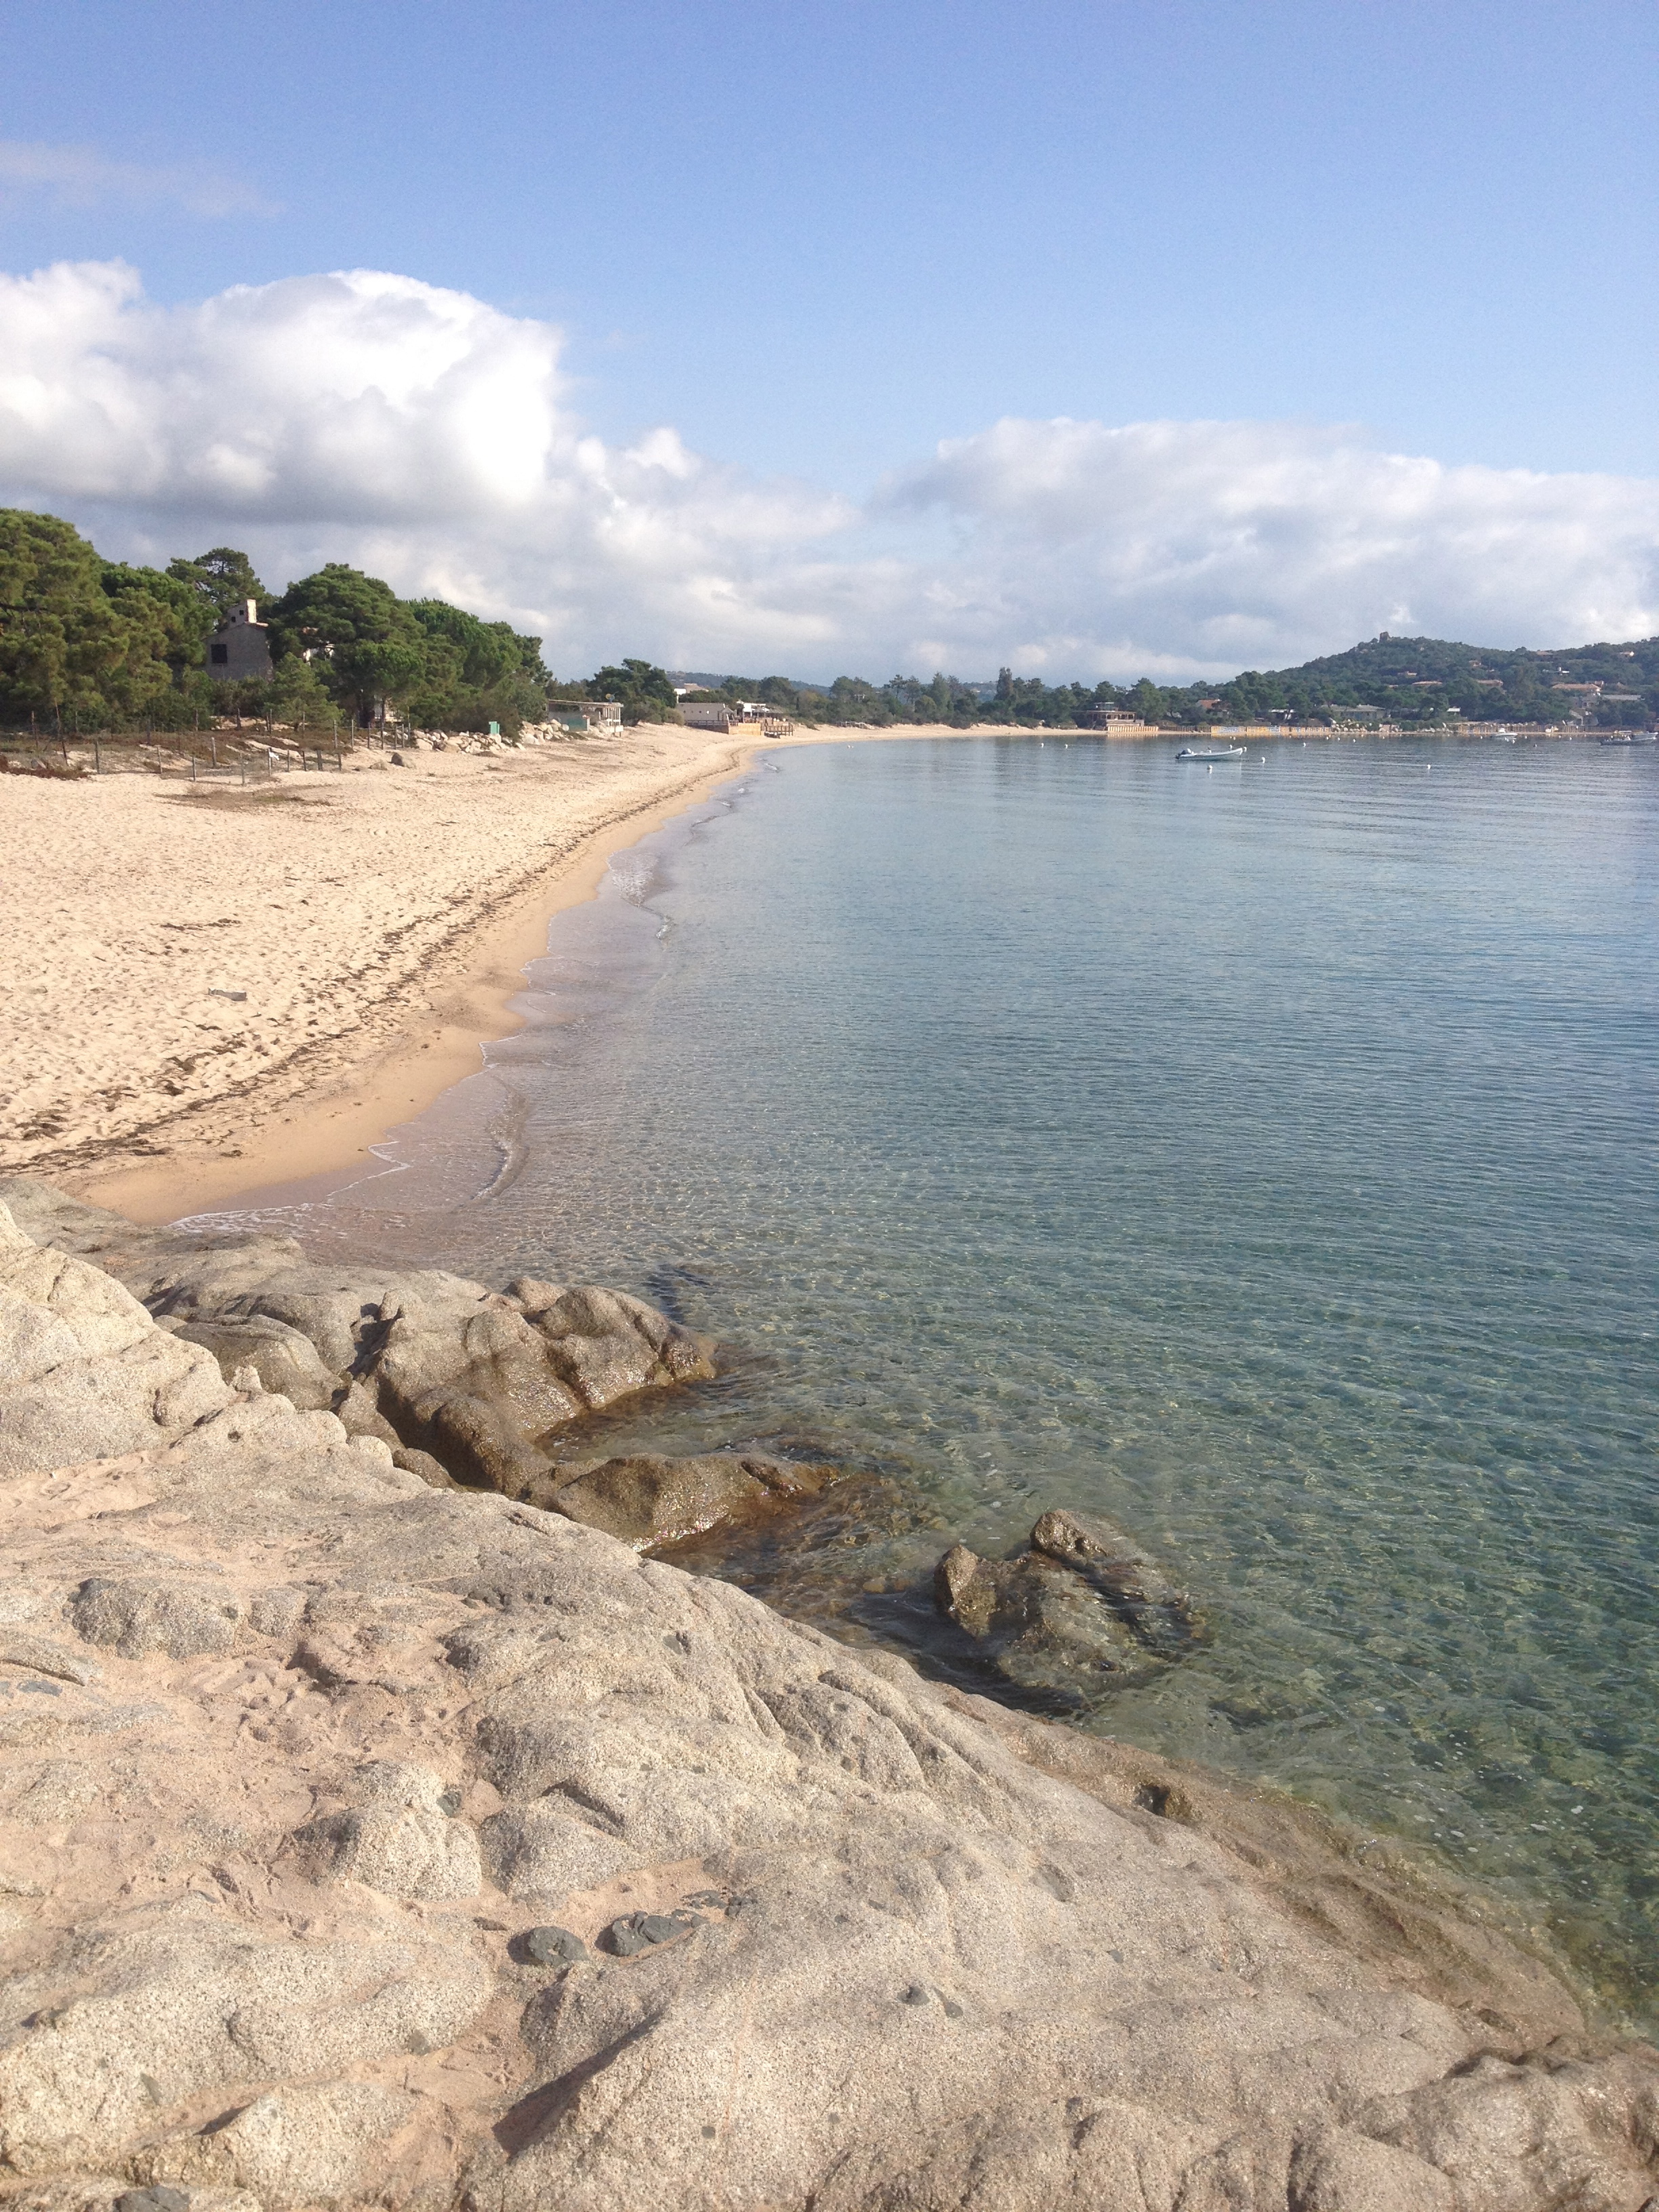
[209,989]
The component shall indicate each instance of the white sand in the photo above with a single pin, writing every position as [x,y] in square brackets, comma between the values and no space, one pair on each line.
[377,921]
[373,919]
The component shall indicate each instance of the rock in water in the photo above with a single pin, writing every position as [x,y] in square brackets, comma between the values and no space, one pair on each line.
[1160,1614]
[650,1502]
[963,1957]
[1045,1630]
[426,1361]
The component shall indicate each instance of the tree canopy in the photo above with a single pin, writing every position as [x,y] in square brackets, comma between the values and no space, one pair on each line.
[223,579]
[81,638]
[95,642]
[91,642]
[647,693]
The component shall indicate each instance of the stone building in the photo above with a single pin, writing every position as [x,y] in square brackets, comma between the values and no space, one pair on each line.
[241,648]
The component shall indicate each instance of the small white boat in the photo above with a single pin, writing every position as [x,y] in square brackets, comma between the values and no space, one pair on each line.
[1228,752]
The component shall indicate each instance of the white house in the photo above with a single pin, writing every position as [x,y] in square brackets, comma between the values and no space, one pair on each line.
[586,714]
[241,648]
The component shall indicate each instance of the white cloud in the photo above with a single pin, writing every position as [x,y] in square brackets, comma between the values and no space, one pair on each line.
[1220,544]
[424,435]
[79,176]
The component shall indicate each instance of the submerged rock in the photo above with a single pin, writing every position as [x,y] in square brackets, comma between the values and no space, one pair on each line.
[1044,1629]
[1160,1614]
[650,1502]
[1085,1610]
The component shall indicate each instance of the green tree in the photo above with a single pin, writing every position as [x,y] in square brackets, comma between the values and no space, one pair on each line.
[645,690]
[186,617]
[364,643]
[68,647]
[297,694]
[223,580]
[477,673]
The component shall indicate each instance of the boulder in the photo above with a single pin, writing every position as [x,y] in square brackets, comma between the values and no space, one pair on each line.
[605,1345]
[650,1502]
[1160,1614]
[285,1360]
[1083,1610]
[1041,1628]
[84,1370]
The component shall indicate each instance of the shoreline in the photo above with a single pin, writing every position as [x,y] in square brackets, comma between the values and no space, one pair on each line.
[433,1048]
[968,1913]
[476,1001]
[299,1105]
[321,1102]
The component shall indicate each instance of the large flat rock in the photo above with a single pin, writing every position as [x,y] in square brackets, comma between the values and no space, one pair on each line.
[296,1751]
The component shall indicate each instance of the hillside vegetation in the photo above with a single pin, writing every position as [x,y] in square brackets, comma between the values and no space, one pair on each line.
[1409,680]
[89,643]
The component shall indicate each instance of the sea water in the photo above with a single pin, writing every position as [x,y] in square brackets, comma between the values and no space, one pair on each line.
[1262,1156]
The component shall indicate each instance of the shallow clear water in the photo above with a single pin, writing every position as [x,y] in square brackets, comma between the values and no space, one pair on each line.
[1264,1157]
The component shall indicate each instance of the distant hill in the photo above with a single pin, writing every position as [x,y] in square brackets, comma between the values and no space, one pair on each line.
[1421,680]
[1417,679]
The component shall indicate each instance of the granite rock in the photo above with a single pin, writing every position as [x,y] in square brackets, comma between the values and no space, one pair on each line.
[427,1361]
[652,1502]
[1043,1629]
[1083,1611]
[83,1370]
[1160,1614]
[936,1953]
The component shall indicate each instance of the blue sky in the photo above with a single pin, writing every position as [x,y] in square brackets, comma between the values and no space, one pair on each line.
[818,242]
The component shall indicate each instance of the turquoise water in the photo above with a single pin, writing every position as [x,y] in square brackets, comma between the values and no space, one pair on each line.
[1264,1157]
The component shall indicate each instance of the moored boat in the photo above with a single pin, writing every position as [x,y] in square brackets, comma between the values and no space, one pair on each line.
[1227,752]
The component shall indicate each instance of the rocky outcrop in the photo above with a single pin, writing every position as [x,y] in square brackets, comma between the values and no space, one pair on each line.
[1130,1580]
[366,1843]
[1085,1610]
[428,1362]
[82,1369]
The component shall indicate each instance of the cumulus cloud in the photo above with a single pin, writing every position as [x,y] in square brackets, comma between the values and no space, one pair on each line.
[79,176]
[1217,545]
[422,433]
